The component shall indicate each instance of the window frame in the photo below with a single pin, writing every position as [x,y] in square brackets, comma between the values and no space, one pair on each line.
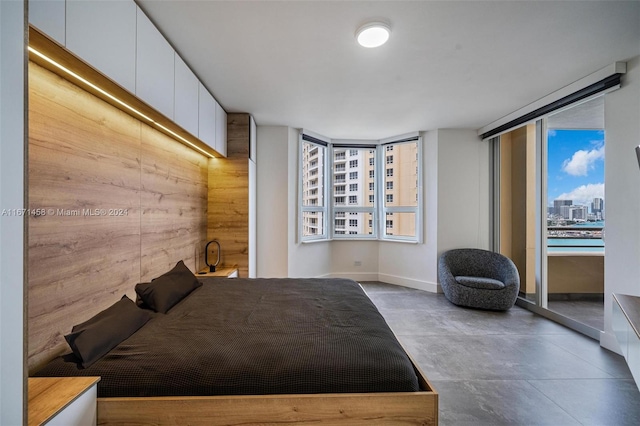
[377,212]
[389,146]
[322,144]
[348,207]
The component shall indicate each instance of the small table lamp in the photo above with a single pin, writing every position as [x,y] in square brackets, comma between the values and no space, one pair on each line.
[212,267]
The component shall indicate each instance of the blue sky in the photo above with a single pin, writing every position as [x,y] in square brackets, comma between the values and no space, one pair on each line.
[575,165]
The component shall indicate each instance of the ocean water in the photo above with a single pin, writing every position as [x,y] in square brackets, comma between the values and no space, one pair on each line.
[595,245]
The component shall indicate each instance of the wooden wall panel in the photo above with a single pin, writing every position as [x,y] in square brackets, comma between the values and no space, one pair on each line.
[174,205]
[228,207]
[84,155]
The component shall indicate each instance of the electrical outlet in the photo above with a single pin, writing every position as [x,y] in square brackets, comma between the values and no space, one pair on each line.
[357,263]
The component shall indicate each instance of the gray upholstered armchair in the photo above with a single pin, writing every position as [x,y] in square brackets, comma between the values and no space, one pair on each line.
[478,279]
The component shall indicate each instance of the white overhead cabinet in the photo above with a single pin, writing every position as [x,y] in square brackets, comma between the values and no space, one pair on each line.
[154,67]
[120,41]
[49,17]
[206,116]
[103,33]
[221,130]
[185,111]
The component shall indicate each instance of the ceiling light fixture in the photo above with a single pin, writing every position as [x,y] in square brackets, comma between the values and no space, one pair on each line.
[373,34]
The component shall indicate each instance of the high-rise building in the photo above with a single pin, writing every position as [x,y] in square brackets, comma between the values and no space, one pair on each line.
[557,207]
[401,187]
[578,213]
[312,187]
[597,208]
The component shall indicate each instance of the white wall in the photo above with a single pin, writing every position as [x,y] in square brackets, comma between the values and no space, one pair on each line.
[279,253]
[345,254]
[12,141]
[622,180]
[415,265]
[463,190]
[272,201]
[456,214]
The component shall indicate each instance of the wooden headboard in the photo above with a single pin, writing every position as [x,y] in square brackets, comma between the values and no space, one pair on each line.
[113,203]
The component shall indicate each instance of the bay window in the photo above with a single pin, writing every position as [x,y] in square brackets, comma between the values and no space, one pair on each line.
[339,178]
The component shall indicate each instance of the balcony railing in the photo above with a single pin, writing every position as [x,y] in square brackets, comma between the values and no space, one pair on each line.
[586,238]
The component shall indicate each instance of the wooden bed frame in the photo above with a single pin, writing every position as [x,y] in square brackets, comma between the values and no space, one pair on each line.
[388,408]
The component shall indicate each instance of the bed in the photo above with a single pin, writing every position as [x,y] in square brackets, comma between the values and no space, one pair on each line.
[267,351]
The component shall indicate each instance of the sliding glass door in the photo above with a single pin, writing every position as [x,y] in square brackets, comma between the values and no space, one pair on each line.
[550,213]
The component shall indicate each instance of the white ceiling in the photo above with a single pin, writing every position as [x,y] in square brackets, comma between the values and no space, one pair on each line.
[448,64]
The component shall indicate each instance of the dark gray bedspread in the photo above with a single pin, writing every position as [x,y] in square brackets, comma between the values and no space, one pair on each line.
[252,337]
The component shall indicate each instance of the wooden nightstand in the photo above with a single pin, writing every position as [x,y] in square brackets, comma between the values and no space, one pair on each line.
[229,272]
[62,400]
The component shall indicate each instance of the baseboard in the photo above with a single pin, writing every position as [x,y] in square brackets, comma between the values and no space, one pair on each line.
[356,276]
[386,278]
[410,282]
[609,341]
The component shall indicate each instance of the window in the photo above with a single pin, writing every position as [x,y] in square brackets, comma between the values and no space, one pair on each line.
[402,203]
[314,191]
[324,176]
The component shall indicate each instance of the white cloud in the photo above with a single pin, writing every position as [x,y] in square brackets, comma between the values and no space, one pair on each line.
[583,161]
[584,195]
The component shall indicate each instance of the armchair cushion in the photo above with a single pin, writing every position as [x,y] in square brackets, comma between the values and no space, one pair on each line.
[480,282]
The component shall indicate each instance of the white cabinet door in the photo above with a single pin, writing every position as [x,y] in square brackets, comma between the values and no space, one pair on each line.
[154,67]
[81,411]
[206,117]
[221,130]
[186,97]
[103,33]
[49,17]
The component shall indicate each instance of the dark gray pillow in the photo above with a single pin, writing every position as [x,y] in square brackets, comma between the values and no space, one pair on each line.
[92,339]
[162,293]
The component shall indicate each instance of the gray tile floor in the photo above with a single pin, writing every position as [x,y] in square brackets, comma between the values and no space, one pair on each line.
[589,312]
[508,368]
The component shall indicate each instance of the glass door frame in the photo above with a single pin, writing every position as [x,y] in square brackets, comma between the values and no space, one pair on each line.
[539,305]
